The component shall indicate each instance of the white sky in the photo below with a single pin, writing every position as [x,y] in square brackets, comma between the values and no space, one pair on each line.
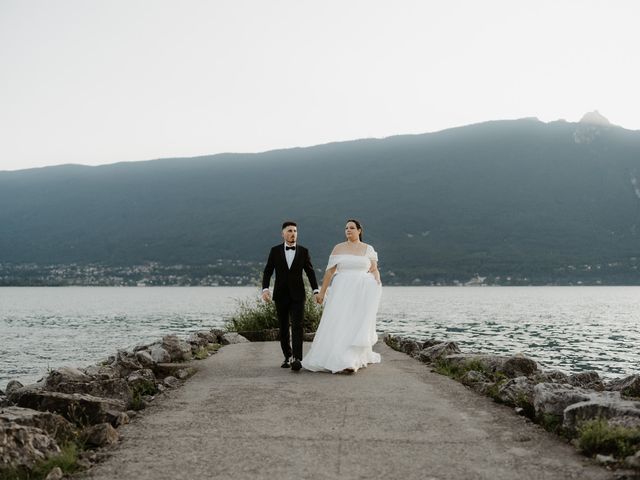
[94,82]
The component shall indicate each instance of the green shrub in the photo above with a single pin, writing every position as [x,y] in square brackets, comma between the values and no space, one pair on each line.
[597,436]
[256,315]
[67,460]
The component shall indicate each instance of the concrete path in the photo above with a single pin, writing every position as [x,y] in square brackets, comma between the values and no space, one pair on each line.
[243,417]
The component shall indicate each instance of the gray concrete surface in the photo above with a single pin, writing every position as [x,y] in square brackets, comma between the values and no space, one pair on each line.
[243,417]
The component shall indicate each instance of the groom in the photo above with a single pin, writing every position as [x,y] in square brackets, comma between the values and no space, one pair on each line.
[289,260]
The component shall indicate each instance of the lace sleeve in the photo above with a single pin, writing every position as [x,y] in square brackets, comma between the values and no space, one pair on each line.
[372,254]
[333,261]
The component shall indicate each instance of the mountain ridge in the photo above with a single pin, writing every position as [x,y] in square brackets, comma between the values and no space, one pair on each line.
[501,198]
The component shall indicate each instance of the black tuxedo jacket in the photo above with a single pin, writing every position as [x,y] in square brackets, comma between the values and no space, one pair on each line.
[289,284]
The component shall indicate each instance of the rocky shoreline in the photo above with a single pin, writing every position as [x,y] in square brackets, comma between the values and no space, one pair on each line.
[57,425]
[600,417]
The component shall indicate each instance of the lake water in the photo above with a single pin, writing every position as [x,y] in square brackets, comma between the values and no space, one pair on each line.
[569,328]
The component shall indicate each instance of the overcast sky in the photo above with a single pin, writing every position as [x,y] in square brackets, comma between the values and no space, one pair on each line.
[94,82]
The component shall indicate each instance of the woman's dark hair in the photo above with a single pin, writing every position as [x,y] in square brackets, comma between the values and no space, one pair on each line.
[358,226]
[288,224]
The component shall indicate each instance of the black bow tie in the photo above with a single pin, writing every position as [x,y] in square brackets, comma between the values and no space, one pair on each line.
[289,248]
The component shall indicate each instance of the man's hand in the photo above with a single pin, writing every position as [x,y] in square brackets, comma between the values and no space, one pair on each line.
[266,296]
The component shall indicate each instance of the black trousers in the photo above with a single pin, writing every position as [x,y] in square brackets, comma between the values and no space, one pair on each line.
[288,309]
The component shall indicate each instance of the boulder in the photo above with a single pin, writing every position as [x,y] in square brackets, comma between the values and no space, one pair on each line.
[23,446]
[185,373]
[633,461]
[4,401]
[438,352]
[145,358]
[599,405]
[163,370]
[627,386]
[125,363]
[230,338]
[171,382]
[554,398]
[65,375]
[218,333]
[589,379]
[393,341]
[142,380]
[477,381]
[431,342]
[160,355]
[116,388]
[101,372]
[99,435]
[12,386]
[518,365]
[196,340]
[551,376]
[177,348]
[306,336]
[410,347]
[511,367]
[54,425]
[78,408]
[518,392]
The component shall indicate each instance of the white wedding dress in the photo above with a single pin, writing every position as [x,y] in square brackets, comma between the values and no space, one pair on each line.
[347,330]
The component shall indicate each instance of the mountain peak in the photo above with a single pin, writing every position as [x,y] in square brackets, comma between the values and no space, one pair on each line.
[595,118]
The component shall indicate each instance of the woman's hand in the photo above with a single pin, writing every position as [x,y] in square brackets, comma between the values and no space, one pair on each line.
[319,298]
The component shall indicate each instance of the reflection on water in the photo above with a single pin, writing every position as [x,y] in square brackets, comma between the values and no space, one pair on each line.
[571,328]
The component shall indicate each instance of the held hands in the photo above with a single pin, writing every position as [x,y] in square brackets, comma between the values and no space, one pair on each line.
[266,296]
[319,298]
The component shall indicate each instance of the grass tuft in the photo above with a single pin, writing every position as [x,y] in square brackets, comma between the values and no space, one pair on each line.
[256,315]
[597,436]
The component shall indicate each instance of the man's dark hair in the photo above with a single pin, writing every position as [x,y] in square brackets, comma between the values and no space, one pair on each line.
[289,224]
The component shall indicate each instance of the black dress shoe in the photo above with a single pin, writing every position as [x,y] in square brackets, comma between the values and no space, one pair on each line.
[296,365]
[285,364]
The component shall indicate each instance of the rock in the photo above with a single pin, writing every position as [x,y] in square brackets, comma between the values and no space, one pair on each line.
[101,372]
[393,341]
[633,461]
[160,355]
[599,405]
[145,358]
[171,369]
[65,375]
[171,382]
[605,459]
[22,446]
[218,333]
[77,408]
[177,348]
[431,342]
[160,388]
[54,425]
[4,401]
[126,363]
[551,376]
[554,398]
[518,392]
[438,352]
[131,413]
[142,380]
[55,474]
[410,347]
[306,336]
[589,380]
[100,435]
[625,421]
[230,338]
[116,388]
[627,386]
[196,341]
[185,373]
[12,386]
[518,365]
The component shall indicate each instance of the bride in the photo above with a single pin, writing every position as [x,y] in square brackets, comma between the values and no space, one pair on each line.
[347,329]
